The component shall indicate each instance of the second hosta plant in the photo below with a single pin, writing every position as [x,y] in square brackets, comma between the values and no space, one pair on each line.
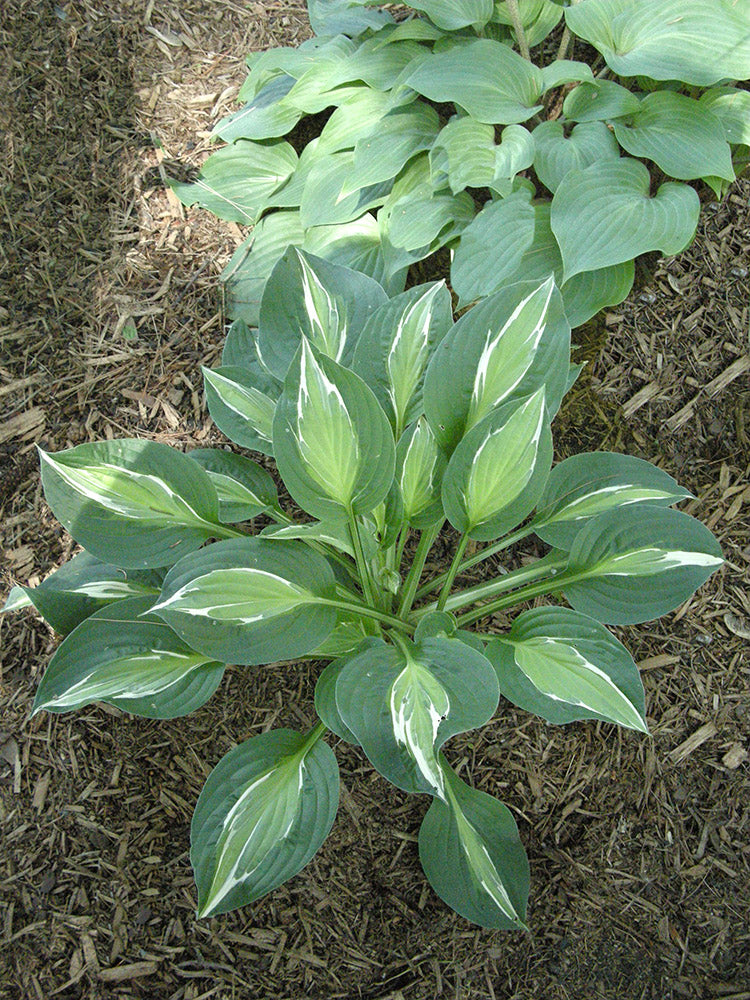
[385,419]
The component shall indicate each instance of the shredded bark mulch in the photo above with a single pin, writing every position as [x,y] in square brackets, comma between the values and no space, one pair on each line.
[638,846]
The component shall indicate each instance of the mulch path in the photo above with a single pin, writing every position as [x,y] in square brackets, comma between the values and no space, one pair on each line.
[638,846]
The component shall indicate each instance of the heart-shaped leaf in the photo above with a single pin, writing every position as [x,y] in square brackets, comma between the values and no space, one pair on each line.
[591,142]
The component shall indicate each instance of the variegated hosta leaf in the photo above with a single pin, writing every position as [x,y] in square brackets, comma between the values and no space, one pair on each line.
[403,704]
[420,464]
[79,588]
[473,857]
[308,297]
[639,562]
[264,811]
[138,504]
[498,471]
[242,405]
[333,443]
[241,351]
[335,533]
[396,344]
[506,347]
[250,600]
[244,488]
[325,688]
[582,486]
[125,656]
[565,666]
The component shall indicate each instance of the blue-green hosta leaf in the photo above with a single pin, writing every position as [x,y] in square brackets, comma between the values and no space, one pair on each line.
[359,117]
[637,563]
[267,116]
[697,41]
[79,588]
[348,635]
[420,464]
[464,152]
[428,220]
[402,704]
[236,182]
[346,17]
[487,79]
[590,142]
[361,246]
[241,351]
[509,345]
[604,215]
[449,15]
[250,600]
[600,101]
[396,344]
[515,153]
[242,405]
[308,297]
[680,135]
[324,200]
[563,71]
[333,444]
[325,689]
[583,486]
[436,624]
[498,471]
[565,666]
[244,488]
[264,811]
[383,66]
[125,656]
[399,135]
[492,246]
[138,504]
[538,17]
[732,107]
[472,855]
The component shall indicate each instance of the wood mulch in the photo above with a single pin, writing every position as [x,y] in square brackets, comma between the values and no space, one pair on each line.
[638,846]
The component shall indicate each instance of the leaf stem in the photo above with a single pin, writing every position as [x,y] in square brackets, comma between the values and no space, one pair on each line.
[359,555]
[450,576]
[515,16]
[368,612]
[426,540]
[524,594]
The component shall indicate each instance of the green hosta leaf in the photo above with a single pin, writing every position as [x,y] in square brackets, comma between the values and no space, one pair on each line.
[127,657]
[464,152]
[236,182]
[600,101]
[346,638]
[696,41]
[17,599]
[732,107]
[427,220]
[264,811]
[324,201]
[357,118]
[396,344]
[335,533]
[583,486]
[498,471]
[490,81]
[403,704]
[637,563]
[382,66]
[603,215]
[591,142]
[347,17]
[563,71]
[509,345]
[420,464]
[242,405]
[472,856]
[450,16]
[250,600]
[267,116]
[436,624]
[492,246]
[538,17]
[334,446]
[241,351]
[325,690]
[515,152]
[244,488]
[679,134]
[313,298]
[413,29]
[565,666]
[138,504]
[399,135]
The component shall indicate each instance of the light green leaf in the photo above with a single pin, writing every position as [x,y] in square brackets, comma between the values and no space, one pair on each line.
[267,116]
[600,101]
[603,215]
[332,532]
[324,200]
[472,856]
[241,407]
[140,504]
[125,656]
[490,81]
[563,71]
[348,17]
[250,600]
[591,142]
[236,182]
[357,118]
[497,472]
[732,107]
[450,16]
[403,704]
[679,134]
[399,135]
[420,464]
[515,152]
[637,563]
[464,152]
[17,599]
[492,246]
[583,486]
[244,488]
[264,811]
[697,41]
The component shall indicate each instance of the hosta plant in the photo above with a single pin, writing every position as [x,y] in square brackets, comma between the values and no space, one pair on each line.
[385,419]
[434,131]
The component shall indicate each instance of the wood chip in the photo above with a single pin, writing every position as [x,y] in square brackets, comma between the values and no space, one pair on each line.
[122,973]
[692,743]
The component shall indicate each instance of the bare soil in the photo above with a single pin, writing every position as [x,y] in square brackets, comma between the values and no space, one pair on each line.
[110,302]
